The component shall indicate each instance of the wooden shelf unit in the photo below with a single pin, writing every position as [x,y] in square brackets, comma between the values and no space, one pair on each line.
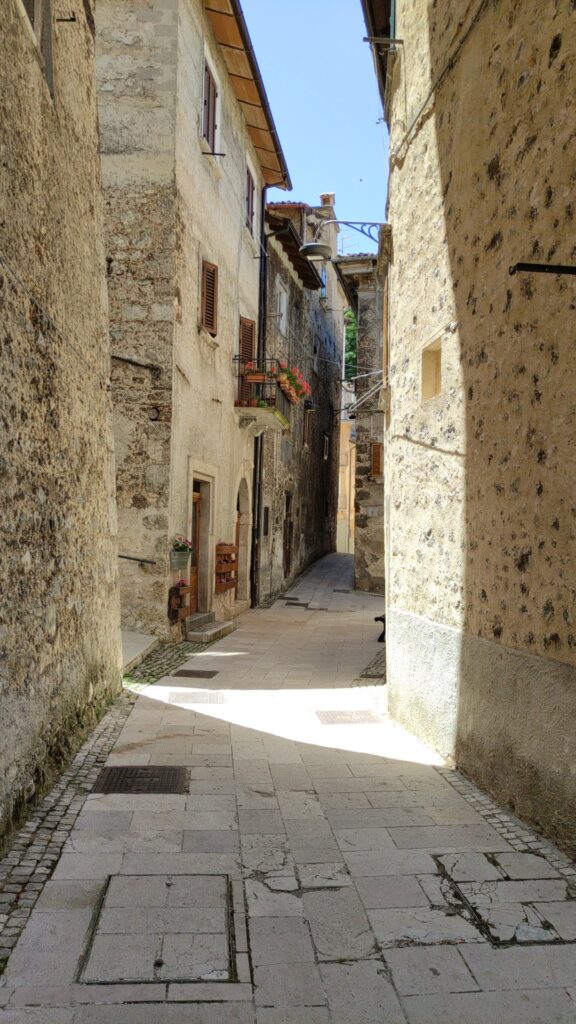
[226,567]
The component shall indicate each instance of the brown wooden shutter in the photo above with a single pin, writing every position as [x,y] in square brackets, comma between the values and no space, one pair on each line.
[209,113]
[249,201]
[209,298]
[247,340]
[376,467]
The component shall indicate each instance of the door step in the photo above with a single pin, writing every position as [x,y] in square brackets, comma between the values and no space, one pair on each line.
[209,632]
[200,619]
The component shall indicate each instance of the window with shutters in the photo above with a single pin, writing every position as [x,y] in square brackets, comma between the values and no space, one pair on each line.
[40,16]
[210,110]
[376,458]
[209,298]
[249,201]
[307,433]
[247,345]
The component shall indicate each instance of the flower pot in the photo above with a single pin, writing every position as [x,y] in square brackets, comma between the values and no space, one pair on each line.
[255,377]
[252,402]
[179,559]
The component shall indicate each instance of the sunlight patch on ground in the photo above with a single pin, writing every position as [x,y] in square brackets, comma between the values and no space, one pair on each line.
[291,714]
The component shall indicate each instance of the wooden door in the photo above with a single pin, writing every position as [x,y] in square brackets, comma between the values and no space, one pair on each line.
[288,530]
[195,554]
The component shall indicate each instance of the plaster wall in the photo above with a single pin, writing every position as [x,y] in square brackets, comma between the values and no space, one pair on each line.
[60,656]
[481,512]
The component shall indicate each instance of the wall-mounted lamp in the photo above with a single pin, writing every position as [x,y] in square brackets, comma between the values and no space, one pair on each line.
[317,251]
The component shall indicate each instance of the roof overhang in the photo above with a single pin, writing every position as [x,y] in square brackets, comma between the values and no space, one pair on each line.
[352,270]
[379,25]
[232,36]
[287,236]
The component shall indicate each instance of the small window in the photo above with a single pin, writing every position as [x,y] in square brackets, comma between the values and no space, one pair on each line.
[266,521]
[249,201]
[209,298]
[307,434]
[246,346]
[376,459]
[210,108]
[40,14]
[282,309]
[323,278]
[431,381]
[326,450]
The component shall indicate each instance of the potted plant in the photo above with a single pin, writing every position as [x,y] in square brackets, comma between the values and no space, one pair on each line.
[253,401]
[180,552]
[253,374]
[262,404]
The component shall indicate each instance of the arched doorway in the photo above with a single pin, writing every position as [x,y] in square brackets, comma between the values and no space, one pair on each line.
[243,541]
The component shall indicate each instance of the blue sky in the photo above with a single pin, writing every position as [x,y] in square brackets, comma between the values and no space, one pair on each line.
[324,97]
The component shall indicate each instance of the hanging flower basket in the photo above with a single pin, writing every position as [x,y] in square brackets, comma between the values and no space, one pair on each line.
[179,559]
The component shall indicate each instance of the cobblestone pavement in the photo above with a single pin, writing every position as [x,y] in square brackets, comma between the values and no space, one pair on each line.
[314,863]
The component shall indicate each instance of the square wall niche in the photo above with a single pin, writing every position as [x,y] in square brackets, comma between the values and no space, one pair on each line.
[431,371]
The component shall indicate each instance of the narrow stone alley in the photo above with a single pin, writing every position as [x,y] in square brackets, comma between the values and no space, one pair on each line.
[303,860]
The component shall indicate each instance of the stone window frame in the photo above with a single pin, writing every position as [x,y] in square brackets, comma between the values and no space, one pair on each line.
[37,16]
[210,128]
[282,298]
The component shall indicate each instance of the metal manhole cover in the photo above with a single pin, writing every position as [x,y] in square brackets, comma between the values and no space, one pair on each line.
[197,697]
[144,779]
[348,717]
[192,673]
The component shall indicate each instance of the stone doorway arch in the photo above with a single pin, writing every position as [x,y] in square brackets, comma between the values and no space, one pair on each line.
[243,523]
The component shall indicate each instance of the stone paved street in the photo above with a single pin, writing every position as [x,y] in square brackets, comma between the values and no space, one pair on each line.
[320,865]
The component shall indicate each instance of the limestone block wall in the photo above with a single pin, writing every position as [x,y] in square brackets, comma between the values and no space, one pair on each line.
[136,74]
[307,472]
[59,617]
[481,616]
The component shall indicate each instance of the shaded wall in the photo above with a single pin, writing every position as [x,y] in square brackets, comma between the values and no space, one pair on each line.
[481,624]
[59,618]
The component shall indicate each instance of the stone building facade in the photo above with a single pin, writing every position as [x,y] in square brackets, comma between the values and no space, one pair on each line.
[365,277]
[304,328]
[59,616]
[480,455]
[188,147]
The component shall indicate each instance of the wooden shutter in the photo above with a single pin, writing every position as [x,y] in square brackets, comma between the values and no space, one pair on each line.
[247,340]
[249,201]
[209,298]
[376,460]
[209,113]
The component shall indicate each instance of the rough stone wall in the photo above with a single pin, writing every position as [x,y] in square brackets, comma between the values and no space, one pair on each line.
[369,488]
[59,619]
[482,519]
[136,69]
[313,342]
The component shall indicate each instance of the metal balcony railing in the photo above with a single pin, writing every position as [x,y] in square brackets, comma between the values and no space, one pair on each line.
[258,387]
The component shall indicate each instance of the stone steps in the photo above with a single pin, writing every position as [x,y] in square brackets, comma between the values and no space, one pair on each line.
[209,631]
[200,619]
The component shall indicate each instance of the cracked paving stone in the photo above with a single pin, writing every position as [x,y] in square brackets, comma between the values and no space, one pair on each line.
[421,926]
[339,926]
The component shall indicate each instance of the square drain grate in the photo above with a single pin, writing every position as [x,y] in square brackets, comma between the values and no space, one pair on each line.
[144,779]
[348,717]
[192,673]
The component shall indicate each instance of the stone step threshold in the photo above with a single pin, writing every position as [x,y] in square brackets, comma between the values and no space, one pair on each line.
[209,631]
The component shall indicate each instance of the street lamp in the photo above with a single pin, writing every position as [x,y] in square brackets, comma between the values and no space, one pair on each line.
[317,251]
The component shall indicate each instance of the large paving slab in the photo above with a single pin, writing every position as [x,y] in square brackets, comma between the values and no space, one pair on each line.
[322,867]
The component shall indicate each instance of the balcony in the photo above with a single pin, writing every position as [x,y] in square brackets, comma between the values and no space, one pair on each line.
[261,403]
